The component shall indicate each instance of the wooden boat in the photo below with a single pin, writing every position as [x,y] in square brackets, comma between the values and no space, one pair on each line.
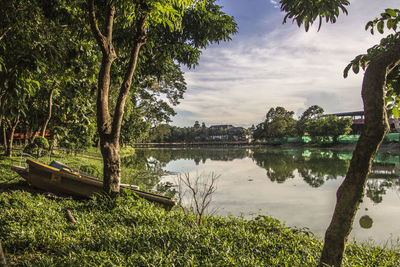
[59,178]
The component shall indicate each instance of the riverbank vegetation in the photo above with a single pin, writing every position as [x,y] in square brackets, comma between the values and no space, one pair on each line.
[35,230]
[125,231]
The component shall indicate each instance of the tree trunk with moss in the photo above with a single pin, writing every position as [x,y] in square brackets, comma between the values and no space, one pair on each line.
[351,191]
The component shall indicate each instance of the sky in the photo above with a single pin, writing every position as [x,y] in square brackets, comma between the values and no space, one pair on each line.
[269,64]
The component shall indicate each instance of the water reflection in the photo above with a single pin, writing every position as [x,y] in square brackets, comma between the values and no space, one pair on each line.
[314,166]
[279,165]
[296,186]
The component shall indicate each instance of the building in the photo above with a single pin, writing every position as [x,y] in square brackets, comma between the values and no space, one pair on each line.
[227,132]
[358,121]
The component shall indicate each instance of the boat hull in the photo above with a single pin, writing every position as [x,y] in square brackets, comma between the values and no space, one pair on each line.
[65,181]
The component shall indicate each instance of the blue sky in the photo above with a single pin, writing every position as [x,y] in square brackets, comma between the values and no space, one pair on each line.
[269,64]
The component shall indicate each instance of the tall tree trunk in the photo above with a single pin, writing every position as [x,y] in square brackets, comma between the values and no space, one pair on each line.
[351,191]
[49,110]
[111,165]
[109,129]
[10,137]
[3,100]
[3,126]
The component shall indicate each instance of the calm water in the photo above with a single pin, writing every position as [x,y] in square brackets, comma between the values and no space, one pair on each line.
[297,187]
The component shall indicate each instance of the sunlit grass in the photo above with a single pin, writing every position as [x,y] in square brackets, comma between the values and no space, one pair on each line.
[34,230]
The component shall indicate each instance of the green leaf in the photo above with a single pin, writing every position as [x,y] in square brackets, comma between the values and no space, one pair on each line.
[380,26]
[346,70]
[391,12]
[390,23]
[396,112]
[369,24]
[356,68]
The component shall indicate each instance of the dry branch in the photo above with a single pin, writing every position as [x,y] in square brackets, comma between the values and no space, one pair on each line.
[70,217]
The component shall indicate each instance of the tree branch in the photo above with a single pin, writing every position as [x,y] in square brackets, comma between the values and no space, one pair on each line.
[94,24]
[126,84]
[110,22]
[5,32]
[70,217]
[49,108]
[109,55]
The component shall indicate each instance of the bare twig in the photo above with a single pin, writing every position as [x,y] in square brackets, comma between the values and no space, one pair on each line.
[5,32]
[200,190]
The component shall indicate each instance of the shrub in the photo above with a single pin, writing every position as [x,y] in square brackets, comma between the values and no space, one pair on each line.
[40,146]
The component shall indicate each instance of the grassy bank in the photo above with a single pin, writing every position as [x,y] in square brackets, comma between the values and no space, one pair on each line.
[35,230]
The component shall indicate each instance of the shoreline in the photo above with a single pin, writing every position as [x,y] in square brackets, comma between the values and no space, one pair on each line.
[384,147]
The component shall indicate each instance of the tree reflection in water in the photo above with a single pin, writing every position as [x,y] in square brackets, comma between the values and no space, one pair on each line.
[314,166]
[145,167]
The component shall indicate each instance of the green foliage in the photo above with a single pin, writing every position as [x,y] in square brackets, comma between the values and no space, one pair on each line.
[39,146]
[167,133]
[77,135]
[278,123]
[307,11]
[329,126]
[130,232]
[279,126]
[312,113]
[390,18]
[158,82]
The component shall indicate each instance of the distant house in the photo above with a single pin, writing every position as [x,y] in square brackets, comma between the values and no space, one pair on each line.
[227,132]
[221,127]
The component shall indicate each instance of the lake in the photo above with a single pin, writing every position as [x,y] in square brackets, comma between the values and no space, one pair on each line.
[295,186]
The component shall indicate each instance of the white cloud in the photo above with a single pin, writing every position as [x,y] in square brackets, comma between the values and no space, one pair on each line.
[275,3]
[238,82]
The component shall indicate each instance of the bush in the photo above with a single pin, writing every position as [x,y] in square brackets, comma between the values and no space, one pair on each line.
[40,146]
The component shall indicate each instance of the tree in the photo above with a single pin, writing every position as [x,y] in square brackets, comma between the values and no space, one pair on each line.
[161,133]
[381,64]
[338,126]
[46,58]
[259,133]
[279,123]
[19,60]
[312,113]
[135,21]
[329,126]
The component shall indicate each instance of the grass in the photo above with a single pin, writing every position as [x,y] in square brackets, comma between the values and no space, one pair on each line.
[35,231]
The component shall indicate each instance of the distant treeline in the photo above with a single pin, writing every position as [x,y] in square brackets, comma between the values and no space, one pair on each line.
[197,133]
[279,123]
